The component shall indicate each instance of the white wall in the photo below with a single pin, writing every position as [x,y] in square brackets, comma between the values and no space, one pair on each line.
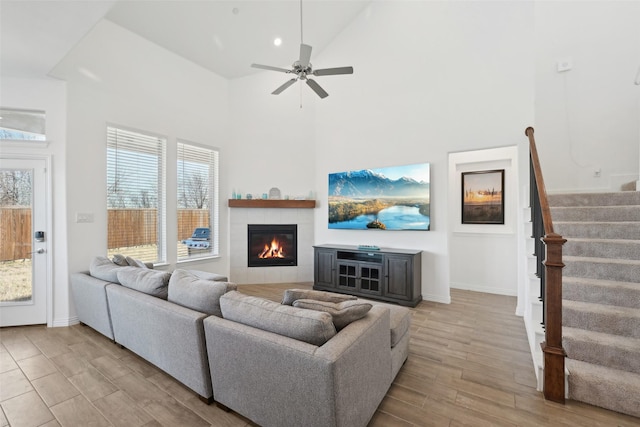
[484,245]
[272,137]
[48,95]
[587,118]
[114,76]
[430,78]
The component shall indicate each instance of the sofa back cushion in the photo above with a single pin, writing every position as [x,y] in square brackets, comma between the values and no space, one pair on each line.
[104,269]
[191,291]
[342,313]
[208,276]
[313,327]
[291,295]
[152,282]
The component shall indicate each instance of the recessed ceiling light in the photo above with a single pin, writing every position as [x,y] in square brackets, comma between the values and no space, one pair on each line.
[277,41]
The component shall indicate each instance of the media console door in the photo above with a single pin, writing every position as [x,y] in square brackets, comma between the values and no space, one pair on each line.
[324,270]
[393,275]
[398,277]
[359,277]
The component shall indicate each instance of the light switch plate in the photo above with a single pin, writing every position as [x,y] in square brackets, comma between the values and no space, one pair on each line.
[84,217]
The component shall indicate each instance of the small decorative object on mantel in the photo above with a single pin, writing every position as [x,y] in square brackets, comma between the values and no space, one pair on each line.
[274,193]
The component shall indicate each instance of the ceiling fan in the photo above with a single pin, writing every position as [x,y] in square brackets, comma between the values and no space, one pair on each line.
[302,69]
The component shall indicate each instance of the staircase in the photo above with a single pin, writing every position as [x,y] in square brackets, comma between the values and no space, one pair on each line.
[601,296]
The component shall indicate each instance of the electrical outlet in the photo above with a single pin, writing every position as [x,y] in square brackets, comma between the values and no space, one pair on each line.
[565,64]
[84,217]
[597,173]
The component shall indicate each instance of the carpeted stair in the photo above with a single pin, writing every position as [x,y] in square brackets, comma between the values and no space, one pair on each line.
[601,296]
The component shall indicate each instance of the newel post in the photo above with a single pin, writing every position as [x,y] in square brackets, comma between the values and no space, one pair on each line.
[552,349]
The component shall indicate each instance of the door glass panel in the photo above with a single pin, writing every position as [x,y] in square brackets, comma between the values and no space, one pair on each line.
[16,231]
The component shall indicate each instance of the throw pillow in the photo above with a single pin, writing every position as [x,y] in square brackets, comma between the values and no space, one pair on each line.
[152,282]
[135,262]
[102,268]
[290,295]
[120,260]
[313,327]
[188,290]
[342,313]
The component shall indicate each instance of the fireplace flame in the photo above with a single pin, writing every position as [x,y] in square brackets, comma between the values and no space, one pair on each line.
[273,251]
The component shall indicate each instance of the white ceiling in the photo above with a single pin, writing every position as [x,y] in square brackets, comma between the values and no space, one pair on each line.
[224,36]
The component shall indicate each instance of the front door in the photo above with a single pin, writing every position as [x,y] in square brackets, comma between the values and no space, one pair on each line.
[23,241]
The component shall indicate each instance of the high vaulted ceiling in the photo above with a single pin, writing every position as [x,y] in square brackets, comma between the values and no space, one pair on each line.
[224,36]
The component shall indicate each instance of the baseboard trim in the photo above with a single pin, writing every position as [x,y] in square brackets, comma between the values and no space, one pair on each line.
[484,289]
[60,323]
[437,298]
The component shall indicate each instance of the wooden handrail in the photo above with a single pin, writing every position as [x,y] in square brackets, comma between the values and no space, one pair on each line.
[551,286]
[542,191]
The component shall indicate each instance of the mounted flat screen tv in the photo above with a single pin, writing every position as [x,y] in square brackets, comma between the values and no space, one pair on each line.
[392,198]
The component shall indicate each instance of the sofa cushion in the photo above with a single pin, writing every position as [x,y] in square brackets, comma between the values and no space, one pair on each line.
[342,313]
[400,318]
[104,269]
[208,276]
[313,327]
[290,295]
[152,282]
[188,290]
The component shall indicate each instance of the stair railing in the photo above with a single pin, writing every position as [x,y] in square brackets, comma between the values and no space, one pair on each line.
[548,251]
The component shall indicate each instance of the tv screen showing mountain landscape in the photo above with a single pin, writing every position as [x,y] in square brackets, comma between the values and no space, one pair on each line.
[392,198]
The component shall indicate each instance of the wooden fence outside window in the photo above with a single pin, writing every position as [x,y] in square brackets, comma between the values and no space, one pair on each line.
[126,229]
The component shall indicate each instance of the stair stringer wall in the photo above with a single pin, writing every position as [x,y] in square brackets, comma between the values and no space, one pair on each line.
[528,298]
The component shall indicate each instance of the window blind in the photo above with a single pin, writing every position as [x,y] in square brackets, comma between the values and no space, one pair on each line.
[135,194]
[197,198]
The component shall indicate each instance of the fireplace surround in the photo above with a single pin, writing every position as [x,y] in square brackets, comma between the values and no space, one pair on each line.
[272,245]
[241,216]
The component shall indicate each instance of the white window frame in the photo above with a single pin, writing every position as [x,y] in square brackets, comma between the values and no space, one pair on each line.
[144,140]
[213,164]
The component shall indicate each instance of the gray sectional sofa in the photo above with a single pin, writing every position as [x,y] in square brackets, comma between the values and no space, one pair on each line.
[276,364]
[138,316]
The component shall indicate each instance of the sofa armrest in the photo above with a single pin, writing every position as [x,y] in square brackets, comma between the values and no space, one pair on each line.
[166,334]
[90,299]
[275,380]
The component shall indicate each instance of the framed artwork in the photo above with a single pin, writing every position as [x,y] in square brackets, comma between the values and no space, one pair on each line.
[483,197]
[391,198]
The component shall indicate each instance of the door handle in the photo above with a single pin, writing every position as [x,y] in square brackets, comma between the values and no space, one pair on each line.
[40,251]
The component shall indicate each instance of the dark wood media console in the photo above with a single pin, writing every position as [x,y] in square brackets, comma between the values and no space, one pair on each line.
[388,274]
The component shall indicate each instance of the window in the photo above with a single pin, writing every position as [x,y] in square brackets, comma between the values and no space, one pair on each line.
[24,125]
[197,186]
[135,194]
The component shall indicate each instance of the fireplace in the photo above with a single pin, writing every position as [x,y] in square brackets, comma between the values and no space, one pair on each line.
[272,245]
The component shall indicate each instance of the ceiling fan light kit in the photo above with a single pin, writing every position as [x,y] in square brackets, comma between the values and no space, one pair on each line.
[302,69]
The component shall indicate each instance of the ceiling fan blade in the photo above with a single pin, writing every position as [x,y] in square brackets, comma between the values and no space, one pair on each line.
[316,88]
[305,55]
[283,87]
[333,71]
[269,67]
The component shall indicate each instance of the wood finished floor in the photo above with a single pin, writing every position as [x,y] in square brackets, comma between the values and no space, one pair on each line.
[469,365]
